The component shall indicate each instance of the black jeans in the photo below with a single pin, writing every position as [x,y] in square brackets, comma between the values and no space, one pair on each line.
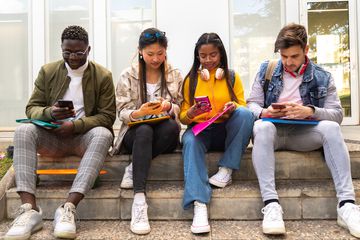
[145,142]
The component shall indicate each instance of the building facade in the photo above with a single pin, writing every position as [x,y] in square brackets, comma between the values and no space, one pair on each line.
[30,37]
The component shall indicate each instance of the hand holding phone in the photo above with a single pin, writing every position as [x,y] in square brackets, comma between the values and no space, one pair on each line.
[278,105]
[65,103]
[62,109]
[203,103]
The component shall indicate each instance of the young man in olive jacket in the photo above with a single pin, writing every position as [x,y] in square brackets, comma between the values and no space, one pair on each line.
[85,130]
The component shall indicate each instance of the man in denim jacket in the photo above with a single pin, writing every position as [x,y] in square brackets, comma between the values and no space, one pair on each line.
[304,90]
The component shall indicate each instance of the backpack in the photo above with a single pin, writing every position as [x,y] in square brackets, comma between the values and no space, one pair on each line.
[268,75]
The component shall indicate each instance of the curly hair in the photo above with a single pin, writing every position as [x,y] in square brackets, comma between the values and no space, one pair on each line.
[75,33]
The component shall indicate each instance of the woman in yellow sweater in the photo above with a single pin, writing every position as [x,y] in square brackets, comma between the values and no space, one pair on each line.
[211,77]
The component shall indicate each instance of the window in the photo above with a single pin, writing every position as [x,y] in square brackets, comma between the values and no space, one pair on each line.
[128,19]
[255,25]
[60,14]
[14,68]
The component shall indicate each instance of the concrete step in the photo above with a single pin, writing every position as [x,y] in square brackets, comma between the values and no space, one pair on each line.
[289,165]
[300,199]
[180,230]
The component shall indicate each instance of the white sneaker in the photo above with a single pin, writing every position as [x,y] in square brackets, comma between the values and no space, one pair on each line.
[64,221]
[139,219]
[26,223]
[273,222]
[349,218]
[200,222]
[127,181]
[222,178]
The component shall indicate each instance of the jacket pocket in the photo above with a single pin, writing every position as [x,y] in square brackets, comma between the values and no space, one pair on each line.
[318,93]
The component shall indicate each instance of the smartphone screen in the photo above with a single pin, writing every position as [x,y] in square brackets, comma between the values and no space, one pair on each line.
[66,103]
[202,100]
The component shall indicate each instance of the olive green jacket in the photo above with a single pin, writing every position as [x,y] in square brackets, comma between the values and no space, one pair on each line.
[98,89]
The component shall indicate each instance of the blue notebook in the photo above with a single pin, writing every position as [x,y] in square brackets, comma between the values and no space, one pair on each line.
[47,125]
[292,121]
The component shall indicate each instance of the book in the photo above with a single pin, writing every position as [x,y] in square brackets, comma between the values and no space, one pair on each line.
[198,128]
[40,123]
[154,120]
[292,121]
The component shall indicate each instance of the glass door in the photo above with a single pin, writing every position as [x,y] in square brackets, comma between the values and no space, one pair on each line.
[333,47]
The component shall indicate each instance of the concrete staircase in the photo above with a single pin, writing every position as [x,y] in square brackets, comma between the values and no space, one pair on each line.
[303,181]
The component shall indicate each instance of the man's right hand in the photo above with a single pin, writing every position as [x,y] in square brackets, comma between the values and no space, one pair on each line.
[59,113]
[272,113]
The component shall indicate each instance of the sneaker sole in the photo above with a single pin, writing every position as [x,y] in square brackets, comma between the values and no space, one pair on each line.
[341,223]
[126,186]
[274,231]
[27,236]
[200,229]
[140,232]
[68,235]
[219,184]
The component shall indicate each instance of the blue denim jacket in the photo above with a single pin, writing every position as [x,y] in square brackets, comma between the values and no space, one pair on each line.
[317,89]
[313,89]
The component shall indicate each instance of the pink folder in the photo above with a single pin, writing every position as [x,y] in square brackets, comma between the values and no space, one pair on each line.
[198,128]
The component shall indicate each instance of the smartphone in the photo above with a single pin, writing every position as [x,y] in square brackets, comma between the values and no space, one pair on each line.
[65,103]
[154,103]
[278,106]
[202,100]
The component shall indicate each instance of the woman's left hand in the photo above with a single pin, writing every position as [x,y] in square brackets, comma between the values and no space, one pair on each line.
[232,107]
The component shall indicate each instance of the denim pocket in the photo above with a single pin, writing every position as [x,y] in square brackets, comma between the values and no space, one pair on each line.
[319,92]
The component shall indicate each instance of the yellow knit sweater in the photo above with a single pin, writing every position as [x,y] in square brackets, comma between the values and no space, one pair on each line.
[218,94]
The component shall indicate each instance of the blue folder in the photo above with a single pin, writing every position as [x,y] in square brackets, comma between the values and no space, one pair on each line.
[292,121]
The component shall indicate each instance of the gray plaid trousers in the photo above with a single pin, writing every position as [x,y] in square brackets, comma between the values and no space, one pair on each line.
[29,140]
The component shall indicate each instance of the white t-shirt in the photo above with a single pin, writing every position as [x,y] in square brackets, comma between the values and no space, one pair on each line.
[75,92]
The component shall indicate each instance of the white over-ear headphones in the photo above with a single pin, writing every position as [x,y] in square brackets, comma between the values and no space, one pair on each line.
[205,75]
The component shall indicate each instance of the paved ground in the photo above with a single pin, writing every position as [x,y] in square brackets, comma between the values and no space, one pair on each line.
[221,230]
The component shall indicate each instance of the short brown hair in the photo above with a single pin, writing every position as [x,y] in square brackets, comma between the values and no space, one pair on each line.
[291,35]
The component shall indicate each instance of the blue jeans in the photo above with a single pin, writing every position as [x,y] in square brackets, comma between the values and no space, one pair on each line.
[232,136]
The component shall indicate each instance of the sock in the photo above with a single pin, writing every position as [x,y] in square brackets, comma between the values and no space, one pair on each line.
[270,201]
[342,203]
[139,197]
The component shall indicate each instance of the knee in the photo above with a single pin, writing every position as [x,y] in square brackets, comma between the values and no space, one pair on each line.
[264,129]
[329,129]
[144,131]
[101,133]
[25,131]
[189,139]
[243,115]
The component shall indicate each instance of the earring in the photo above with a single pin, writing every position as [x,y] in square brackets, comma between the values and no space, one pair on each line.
[141,57]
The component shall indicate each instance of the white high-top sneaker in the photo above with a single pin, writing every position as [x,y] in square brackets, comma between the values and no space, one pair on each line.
[200,222]
[222,178]
[64,221]
[273,221]
[139,218]
[27,222]
[349,218]
[127,180]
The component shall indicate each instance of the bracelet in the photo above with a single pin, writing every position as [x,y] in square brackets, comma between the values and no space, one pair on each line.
[170,107]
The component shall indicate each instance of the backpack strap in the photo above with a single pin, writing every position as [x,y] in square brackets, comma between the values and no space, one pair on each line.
[268,75]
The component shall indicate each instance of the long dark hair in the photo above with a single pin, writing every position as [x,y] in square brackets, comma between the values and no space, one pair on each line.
[208,38]
[147,37]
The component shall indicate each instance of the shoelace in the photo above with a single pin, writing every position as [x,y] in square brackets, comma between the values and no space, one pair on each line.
[222,175]
[140,214]
[22,217]
[273,212]
[69,215]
